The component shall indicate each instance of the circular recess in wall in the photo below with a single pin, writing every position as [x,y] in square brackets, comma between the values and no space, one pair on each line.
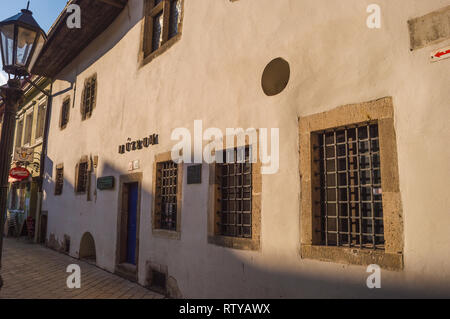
[275,77]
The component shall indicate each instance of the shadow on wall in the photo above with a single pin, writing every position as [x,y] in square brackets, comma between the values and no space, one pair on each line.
[227,275]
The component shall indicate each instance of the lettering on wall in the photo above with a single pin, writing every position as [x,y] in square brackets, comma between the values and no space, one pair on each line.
[146,142]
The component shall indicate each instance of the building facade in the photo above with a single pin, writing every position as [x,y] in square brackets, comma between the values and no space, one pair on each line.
[362,171]
[24,197]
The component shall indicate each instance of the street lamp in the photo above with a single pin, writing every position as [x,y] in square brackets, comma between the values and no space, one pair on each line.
[21,41]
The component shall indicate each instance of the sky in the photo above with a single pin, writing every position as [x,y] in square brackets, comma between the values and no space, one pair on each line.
[45,13]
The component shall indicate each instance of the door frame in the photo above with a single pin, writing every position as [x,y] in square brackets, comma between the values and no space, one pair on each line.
[121,267]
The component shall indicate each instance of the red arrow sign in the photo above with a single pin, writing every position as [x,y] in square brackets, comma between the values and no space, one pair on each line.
[442,53]
[19,173]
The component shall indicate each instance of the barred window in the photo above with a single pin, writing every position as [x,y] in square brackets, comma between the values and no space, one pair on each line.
[166,195]
[235,193]
[28,129]
[163,21]
[351,210]
[65,111]
[89,97]
[19,133]
[59,182]
[82,177]
[41,120]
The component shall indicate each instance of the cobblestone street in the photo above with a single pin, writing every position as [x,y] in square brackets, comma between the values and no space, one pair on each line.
[32,271]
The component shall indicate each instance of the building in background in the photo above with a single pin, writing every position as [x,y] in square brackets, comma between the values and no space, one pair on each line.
[24,197]
[363,155]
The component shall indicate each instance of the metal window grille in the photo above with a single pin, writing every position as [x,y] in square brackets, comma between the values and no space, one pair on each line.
[236,194]
[167,192]
[65,113]
[82,177]
[351,210]
[59,183]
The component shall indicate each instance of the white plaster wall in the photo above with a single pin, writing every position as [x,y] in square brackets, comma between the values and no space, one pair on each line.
[213,73]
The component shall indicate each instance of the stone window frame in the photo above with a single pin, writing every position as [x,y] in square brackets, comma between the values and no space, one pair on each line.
[163,233]
[83,160]
[381,111]
[62,125]
[88,82]
[147,39]
[214,237]
[58,183]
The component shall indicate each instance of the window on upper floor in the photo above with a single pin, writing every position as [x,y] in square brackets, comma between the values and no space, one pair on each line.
[19,133]
[89,97]
[59,181]
[163,24]
[65,112]
[28,129]
[41,120]
[82,171]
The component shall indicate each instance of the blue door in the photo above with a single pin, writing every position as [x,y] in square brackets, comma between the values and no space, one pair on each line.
[132,222]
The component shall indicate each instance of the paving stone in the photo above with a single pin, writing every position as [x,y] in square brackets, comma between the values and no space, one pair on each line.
[35,272]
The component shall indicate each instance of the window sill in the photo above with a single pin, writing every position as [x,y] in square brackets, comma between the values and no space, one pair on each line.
[168,234]
[353,256]
[234,242]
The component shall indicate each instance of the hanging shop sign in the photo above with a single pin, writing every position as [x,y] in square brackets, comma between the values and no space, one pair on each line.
[104,183]
[19,173]
[440,54]
[131,146]
[23,154]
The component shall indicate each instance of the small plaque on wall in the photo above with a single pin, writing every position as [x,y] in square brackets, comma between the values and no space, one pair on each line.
[104,183]
[194,174]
